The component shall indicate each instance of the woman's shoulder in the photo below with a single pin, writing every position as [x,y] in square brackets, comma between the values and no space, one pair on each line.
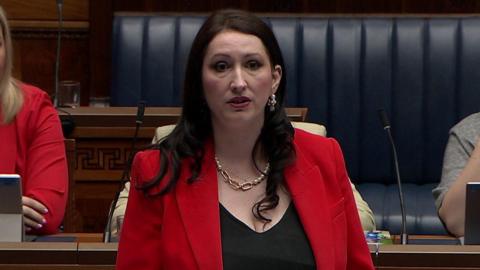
[37,110]
[34,97]
[145,165]
[32,93]
[303,137]
[313,144]
[146,158]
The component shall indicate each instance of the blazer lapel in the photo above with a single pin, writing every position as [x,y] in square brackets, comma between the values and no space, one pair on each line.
[308,195]
[199,210]
[8,148]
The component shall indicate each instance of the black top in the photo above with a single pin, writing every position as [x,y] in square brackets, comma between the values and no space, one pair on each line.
[284,246]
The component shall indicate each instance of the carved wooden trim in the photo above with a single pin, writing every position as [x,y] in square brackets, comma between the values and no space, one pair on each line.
[103,159]
[48,34]
[28,29]
[52,25]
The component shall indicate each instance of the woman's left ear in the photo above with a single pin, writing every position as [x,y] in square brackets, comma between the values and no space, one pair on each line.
[277,77]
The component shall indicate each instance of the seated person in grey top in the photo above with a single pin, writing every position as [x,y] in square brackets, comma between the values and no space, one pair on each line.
[461,164]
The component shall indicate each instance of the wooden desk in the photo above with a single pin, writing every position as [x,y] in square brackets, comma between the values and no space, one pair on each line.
[103,139]
[83,237]
[99,254]
[38,253]
[56,256]
[102,256]
[416,257]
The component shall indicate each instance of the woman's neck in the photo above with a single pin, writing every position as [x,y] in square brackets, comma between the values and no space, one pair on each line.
[235,145]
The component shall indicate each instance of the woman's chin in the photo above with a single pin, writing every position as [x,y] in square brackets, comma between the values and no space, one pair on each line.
[242,119]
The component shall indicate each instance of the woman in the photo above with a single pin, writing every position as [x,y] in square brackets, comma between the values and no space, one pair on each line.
[234,186]
[31,145]
[461,164]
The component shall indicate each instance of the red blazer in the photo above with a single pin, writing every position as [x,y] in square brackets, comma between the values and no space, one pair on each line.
[181,230]
[32,146]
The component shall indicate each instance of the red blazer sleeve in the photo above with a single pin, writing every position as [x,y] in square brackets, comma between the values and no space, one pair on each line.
[45,176]
[143,220]
[358,255]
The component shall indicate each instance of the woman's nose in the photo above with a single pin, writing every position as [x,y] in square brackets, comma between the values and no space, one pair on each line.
[238,80]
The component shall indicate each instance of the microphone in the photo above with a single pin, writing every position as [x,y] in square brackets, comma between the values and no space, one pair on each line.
[68,123]
[107,233]
[138,122]
[57,57]
[140,112]
[387,128]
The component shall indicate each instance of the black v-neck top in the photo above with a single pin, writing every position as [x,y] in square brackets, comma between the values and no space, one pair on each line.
[284,246]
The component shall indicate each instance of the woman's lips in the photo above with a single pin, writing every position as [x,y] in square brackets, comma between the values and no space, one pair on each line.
[239,102]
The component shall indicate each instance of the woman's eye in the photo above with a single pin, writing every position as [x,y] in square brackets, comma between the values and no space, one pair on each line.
[253,65]
[220,66]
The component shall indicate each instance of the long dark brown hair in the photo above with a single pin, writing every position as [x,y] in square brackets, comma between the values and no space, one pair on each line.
[194,127]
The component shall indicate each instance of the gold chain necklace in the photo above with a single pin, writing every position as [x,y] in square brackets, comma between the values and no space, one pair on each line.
[247,185]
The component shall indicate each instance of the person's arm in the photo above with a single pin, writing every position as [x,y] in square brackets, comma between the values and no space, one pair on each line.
[46,176]
[452,209]
[357,253]
[140,238]
[119,211]
[364,212]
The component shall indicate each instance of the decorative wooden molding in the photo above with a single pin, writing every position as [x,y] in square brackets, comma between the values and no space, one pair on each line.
[44,25]
[73,10]
[48,30]
[105,162]
[102,158]
[47,34]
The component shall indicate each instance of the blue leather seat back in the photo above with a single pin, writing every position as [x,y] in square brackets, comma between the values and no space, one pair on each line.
[149,58]
[425,72]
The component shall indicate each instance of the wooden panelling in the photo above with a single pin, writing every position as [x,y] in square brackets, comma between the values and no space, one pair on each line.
[92,201]
[73,10]
[103,140]
[101,17]
[34,32]
[72,220]
[17,57]
[35,53]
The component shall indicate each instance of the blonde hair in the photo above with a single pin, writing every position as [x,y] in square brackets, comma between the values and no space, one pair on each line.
[11,98]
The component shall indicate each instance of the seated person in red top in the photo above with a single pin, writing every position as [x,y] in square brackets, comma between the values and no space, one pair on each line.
[31,145]
[234,185]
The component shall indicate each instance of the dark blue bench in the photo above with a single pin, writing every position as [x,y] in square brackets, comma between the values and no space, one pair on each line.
[424,71]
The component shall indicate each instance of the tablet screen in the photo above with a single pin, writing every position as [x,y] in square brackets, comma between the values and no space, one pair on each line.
[10,194]
[472,214]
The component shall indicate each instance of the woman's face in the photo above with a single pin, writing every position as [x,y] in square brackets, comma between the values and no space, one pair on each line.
[2,53]
[238,78]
